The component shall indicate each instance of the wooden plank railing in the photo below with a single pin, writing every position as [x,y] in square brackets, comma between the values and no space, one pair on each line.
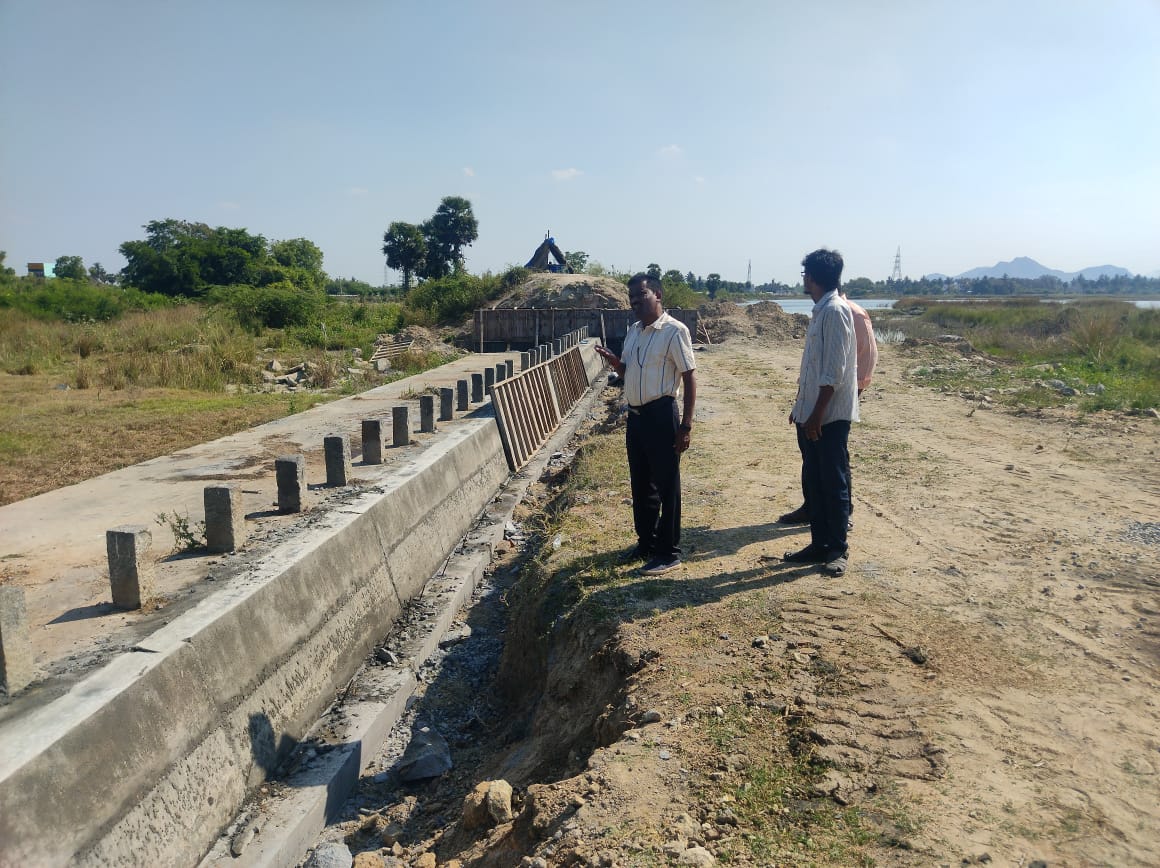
[530,405]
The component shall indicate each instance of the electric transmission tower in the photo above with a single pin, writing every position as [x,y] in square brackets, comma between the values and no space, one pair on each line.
[897,273]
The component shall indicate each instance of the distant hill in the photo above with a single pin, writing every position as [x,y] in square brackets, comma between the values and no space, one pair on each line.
[1026,268]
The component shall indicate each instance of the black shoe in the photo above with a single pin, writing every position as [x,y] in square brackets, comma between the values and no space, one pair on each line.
[798,516]
[809,555]
[635,554]
[659,565]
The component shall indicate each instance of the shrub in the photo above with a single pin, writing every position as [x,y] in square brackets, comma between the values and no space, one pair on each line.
[276,305]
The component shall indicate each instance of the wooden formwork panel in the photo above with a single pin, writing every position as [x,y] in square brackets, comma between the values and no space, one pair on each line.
[530,405]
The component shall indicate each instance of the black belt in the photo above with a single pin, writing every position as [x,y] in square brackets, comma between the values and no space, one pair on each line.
[636,411]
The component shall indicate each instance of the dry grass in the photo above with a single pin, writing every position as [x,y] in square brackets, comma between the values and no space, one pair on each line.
[51,437]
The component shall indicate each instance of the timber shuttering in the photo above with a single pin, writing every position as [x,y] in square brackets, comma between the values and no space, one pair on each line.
[500,330]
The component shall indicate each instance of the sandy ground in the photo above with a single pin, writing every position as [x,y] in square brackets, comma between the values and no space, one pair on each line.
[1018,553]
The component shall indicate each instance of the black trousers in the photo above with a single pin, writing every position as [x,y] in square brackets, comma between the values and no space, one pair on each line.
[654,468]
[826,476]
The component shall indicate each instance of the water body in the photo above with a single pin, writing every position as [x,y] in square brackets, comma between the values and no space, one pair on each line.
[804,305]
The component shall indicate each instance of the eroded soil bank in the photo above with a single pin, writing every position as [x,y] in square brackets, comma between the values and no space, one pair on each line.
[980,687]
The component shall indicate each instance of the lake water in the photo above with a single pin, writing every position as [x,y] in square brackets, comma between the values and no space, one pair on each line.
[804,305]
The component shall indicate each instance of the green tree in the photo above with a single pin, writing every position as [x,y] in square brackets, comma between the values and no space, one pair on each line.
[712,284]
[691,279]
[70,268]
[406,250]
[297,253]
[653,270]
[451,228]
[6,273]
[97,274]
[672,277]
[577,260]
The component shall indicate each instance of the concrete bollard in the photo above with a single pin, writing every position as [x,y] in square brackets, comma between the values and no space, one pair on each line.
[559,348]
[336,447]
[446,402]
[132,577]
[400,426]
[488,380]
[16,667]
[426,413]
[290,471]
[510,368]
[500,372]
[525,361]
[461,395]
[372,441]
[225,519]
[476,388]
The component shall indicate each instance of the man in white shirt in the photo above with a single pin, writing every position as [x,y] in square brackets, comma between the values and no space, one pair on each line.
[656,363]
[867,359]
[827,402]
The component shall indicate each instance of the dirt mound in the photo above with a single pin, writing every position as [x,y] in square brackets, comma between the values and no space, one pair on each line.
[568,290]
[423,340]
[724,319]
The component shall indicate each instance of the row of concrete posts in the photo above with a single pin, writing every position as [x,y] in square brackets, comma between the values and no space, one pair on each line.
[132,570]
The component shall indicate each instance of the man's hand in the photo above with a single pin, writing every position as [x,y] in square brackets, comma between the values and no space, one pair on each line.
[684,438]
[813,426]
[609,356]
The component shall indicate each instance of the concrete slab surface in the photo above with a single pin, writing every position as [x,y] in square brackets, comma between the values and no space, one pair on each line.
[53,545]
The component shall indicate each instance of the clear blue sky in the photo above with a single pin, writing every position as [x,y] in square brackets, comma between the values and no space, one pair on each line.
[698,135]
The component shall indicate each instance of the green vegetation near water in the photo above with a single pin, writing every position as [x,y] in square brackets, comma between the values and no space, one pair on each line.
[1098,354]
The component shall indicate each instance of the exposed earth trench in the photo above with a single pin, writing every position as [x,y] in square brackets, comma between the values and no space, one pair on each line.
[979,688]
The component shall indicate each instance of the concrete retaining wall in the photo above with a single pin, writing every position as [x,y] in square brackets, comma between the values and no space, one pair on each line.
[143,762]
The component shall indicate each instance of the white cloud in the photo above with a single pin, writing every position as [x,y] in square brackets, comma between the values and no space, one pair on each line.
[566,174]
[357,191]
[468,171]
[671,151]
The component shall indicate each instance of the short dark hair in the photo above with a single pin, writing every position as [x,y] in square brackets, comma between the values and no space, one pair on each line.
[644,280]
[825,267]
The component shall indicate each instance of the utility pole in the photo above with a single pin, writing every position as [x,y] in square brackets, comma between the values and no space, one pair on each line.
[897,273]
[749,276]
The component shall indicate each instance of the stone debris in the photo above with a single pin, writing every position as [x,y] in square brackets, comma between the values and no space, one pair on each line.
[330,855]
[427,756]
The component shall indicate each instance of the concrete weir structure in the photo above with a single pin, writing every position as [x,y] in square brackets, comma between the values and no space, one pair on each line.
[144,760]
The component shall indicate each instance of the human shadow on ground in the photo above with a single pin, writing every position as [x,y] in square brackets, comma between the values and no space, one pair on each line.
[704,542]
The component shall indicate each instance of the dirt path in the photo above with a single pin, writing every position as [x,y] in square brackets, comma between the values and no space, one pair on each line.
[1016,553]
[983,680]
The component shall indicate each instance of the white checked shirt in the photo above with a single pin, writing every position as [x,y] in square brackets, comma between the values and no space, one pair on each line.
[830,359]
[654,358]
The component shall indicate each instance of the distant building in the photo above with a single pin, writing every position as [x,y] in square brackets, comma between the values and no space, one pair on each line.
[36,269]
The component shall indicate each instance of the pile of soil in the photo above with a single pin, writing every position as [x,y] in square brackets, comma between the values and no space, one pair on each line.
[423,340]
[568,290]
[722,320]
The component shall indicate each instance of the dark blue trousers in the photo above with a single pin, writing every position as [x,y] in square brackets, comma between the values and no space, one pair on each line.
[826,481]
[654,469]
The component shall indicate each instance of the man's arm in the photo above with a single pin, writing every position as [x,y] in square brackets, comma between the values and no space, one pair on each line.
[689,400]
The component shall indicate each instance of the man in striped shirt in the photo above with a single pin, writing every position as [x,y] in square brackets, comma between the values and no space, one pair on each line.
[656,363]
[827,402]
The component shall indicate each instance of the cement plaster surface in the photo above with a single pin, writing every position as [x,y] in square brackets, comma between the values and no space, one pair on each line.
[55,543]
